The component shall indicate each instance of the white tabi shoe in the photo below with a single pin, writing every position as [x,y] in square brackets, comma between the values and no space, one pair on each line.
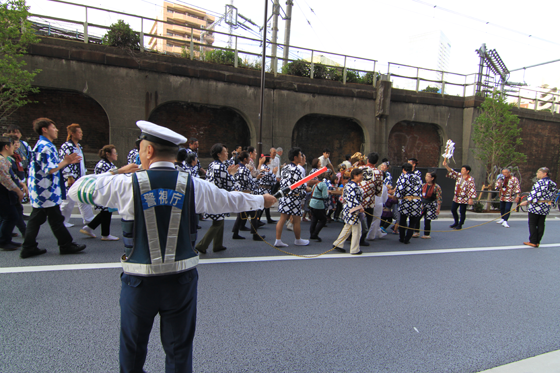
[500,221]
[68,225]
[88,231]
[301,242]
[109,238]
[505,224]
[279,243]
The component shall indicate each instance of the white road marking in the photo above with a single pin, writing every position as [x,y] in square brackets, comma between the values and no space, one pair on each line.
[71,267]
[416,330]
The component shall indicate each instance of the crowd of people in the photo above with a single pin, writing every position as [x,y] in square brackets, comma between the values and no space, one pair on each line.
[369,202]
[161,198]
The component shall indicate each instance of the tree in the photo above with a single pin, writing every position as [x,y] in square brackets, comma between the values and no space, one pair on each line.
[121,35]
[497,136]
[16,34]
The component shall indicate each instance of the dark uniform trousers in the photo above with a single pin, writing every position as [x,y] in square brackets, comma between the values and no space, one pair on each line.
[174,298]
[56,221]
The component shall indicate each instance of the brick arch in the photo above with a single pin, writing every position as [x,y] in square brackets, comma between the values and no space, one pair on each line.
[65,107]
[422,141]
[314,132]
[209,124]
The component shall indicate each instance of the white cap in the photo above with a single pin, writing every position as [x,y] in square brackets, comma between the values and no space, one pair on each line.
[158,134]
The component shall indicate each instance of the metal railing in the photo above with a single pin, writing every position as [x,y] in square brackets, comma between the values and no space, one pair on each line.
[543,99]
[320,64]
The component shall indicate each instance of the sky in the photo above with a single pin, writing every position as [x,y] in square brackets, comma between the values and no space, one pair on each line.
[524,33]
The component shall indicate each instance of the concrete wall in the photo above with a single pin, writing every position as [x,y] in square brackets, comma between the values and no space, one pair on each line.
[130,85]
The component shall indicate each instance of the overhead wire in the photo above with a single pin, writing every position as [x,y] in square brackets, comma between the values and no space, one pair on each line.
[485,22]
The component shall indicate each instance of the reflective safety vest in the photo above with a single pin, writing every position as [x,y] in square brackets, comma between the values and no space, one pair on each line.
[160,240]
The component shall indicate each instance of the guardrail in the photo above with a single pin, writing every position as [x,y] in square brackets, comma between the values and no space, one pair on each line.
[320,64]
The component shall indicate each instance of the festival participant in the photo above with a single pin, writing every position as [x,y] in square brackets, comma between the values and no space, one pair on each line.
[408,190]
[274,164]
[431,204]
[159,266]
[290,205]
[132,157]
[193,148]
[47,191]
[352,197]
[318,205]
[324,160]
[245,183]
[24,151]
[540,200]
[465,193]
[509,188]
[346,162]
[108,155]
[387,216]
[73,172]
[180,160]
[191,164]
[414,163]
[10,196]
[372,187]
[18,175]
[265,184]
[387,177]
[222,177]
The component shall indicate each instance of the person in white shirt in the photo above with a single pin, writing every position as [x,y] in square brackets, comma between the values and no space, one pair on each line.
[324,160]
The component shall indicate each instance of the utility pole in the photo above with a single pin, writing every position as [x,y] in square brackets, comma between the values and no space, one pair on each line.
[275,14]
[263,66]
[289,4]
[230,42]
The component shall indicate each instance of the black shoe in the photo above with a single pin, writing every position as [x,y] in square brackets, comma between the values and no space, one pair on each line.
[198,227]
[221,248]
[260,224]
[16,244]
[271,221]
[401,240]
[318,239]
[9,246]
[200,250]
[453,225]
[364,243]
[358,253]
[72,248]
[256,237]
[459,227]
[406,242]
[339,249]
[244,229]
[31,252]
[238,237]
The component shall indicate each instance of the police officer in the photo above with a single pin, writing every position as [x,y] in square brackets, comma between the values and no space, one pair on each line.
[159,206]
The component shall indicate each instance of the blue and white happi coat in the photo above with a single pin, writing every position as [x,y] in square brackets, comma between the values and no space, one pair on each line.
[543,190]
[291,204]
[45,189]
[75,169]
[218,175]
[352,197]
[265,183]
[133,157]
[409,185]
[101,167]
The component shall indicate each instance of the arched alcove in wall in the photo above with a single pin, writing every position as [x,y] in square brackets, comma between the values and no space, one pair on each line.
[64,108]
[314,132]
[422,141]
[209,124]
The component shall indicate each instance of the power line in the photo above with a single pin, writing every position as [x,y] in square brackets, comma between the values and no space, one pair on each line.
[484,22]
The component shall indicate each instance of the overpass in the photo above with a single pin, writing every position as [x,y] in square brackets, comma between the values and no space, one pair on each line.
[107,90]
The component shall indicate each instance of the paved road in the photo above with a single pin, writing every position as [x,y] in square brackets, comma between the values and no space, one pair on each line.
[463,306]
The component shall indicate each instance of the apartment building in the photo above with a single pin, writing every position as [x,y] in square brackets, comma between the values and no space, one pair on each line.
[183,24]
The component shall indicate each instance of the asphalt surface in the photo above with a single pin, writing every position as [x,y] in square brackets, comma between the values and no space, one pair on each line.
[259,310]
